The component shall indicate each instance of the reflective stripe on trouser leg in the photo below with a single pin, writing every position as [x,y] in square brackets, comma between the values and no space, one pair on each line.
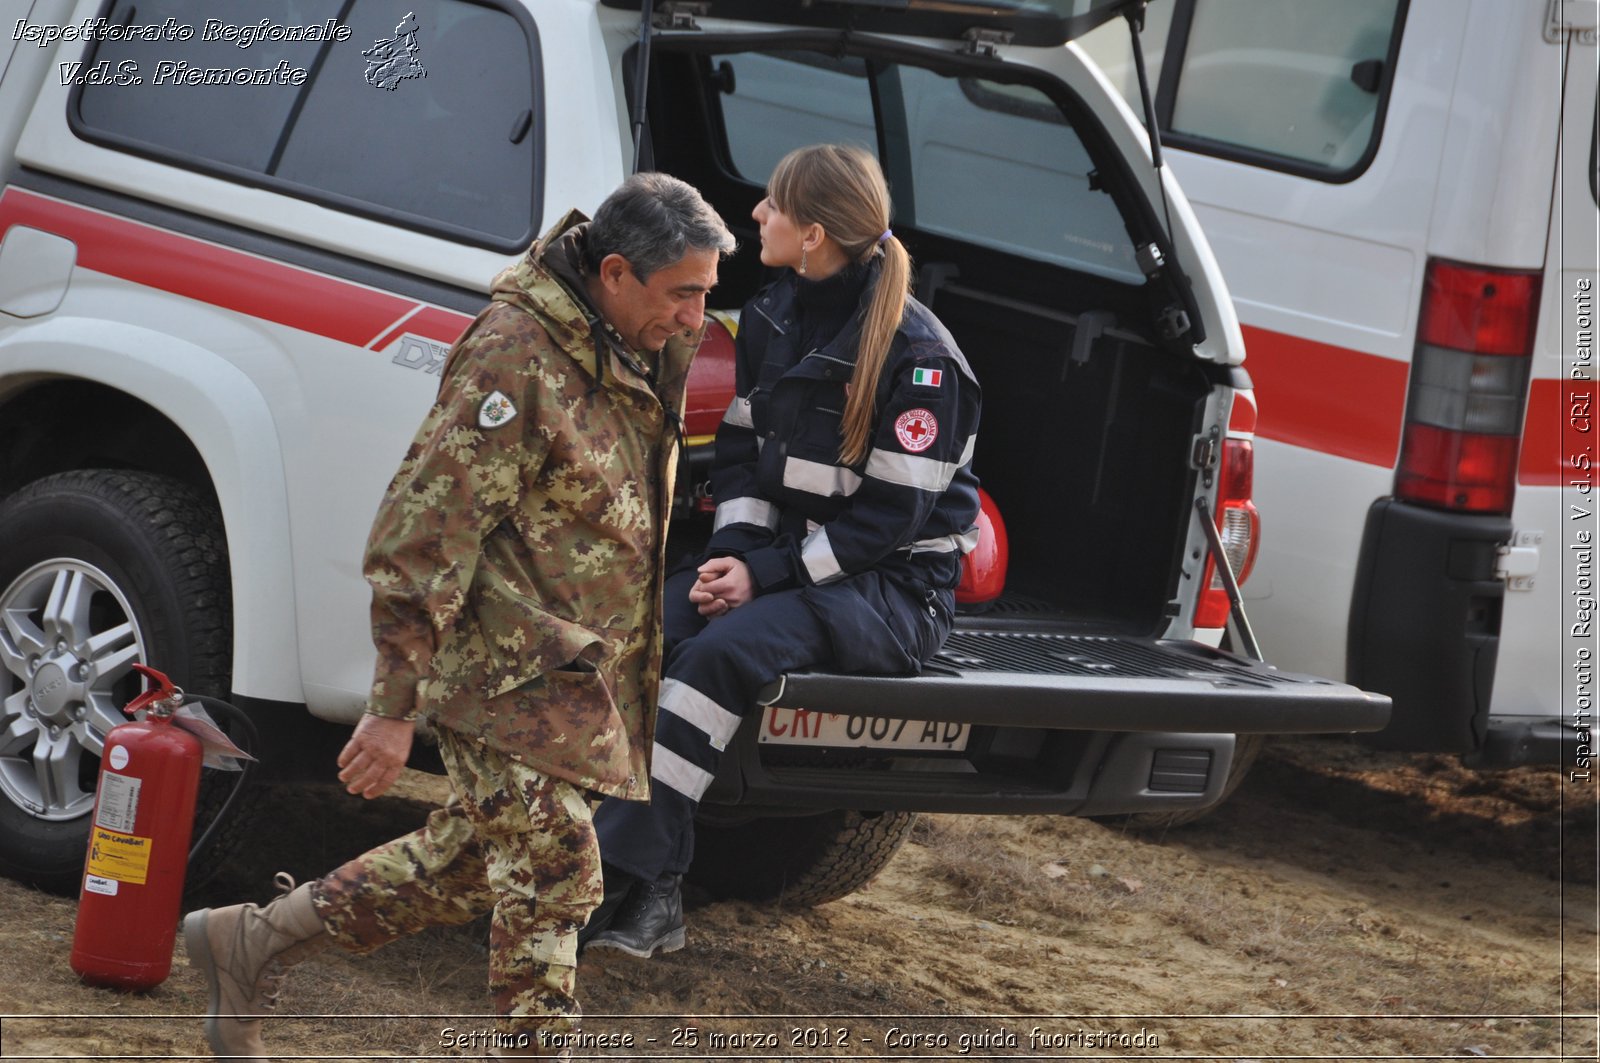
[511,840]
[711,680]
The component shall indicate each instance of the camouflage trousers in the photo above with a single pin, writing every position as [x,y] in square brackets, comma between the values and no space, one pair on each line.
[510,840]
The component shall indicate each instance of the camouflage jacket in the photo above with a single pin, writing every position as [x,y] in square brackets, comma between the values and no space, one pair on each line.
[516,559]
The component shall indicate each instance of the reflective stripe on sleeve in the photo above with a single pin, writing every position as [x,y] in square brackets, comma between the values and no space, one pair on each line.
[966,542]
[818,478]
[746,511]
[816,553]
[908,470]
[739,413]
[699,711]
[669,769]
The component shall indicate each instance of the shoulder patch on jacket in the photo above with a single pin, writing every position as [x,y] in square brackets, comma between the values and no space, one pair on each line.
[496,411]
[916,430]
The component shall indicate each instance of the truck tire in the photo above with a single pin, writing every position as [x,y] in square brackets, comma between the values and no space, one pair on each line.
[99,569]
[800,861]
[1245,750]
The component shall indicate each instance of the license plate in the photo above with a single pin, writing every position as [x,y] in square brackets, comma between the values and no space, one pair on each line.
[802,727]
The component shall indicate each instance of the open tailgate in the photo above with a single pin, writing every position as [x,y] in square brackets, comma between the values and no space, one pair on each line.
[1069,681]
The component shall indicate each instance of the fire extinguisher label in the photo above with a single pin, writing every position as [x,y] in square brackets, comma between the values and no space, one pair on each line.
[124,857]
[118,803]
[96,884]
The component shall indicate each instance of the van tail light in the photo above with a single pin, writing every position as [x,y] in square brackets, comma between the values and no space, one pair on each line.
[1469,384]
[1240,527]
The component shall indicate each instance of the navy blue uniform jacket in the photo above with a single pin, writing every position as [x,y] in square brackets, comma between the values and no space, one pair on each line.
[786,503]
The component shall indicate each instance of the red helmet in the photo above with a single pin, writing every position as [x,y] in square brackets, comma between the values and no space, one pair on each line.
[983,572]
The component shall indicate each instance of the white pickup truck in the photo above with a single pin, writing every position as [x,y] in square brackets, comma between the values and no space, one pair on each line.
[237,243]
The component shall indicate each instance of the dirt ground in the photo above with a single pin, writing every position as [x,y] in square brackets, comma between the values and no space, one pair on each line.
[1342,904]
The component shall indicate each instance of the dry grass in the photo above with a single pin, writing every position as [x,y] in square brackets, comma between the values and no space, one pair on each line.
[994,879]
[1098,884]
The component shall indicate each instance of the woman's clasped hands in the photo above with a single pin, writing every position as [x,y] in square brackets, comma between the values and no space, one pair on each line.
[724,585]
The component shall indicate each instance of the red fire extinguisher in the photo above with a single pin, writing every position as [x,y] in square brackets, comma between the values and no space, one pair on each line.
[138,845]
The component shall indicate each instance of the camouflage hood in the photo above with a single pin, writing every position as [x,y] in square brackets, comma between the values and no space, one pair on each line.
[548,282]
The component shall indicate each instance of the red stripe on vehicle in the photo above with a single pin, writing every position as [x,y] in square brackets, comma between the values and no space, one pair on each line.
[1558,429]
[441,326]
[221,276]
[393,332]
[1326,398]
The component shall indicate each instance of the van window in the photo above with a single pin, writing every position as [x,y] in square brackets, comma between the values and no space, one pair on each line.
[1297,85]
[1293,79]
[1112,51]
[427,119]
[994,164]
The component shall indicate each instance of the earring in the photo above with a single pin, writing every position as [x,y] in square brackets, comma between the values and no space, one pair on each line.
[802,259]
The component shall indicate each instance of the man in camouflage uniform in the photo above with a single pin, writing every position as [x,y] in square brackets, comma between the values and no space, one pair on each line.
[515,568]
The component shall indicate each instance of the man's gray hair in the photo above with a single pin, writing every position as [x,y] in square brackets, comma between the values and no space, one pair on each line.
[653,220]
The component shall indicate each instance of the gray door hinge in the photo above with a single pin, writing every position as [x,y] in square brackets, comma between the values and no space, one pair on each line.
[985,42]
[1518,560]
[679,15]
[1581,18]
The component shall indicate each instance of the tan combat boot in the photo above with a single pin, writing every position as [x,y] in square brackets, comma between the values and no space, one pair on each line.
[244,951]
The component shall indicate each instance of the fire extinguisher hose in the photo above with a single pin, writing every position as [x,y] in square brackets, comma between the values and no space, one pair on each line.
[251,745]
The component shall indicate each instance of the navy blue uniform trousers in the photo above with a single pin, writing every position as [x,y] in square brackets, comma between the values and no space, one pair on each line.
[866,624]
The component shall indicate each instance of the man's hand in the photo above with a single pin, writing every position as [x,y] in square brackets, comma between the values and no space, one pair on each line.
[724,585]
[373,758]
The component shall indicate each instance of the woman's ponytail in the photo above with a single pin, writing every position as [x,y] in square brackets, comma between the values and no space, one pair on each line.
[841,188]
[877,335]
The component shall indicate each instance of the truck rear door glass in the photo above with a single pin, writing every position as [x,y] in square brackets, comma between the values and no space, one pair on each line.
[995,164]
[782,101]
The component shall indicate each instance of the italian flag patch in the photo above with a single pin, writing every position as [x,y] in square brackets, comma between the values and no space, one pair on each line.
[928,378]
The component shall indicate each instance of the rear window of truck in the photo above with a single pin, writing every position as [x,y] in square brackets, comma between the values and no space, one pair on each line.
[424,115]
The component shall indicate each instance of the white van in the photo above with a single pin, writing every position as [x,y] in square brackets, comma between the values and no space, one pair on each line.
[1401,194]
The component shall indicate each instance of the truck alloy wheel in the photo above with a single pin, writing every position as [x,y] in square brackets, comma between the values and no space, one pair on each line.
[98,570]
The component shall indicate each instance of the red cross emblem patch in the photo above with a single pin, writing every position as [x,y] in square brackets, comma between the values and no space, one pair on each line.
[916,430]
